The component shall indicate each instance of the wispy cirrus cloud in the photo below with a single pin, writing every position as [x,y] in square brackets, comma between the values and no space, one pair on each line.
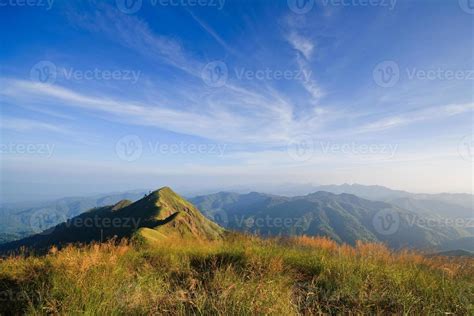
[269,126]
[136,34]
[301,44]
[310,85]
[214,35]
[416,116]
[22,125]
[304,48]
[226,123]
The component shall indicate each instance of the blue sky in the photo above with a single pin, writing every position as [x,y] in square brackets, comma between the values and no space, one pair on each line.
[97,96]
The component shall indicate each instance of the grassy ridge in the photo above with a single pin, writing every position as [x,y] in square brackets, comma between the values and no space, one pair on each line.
[242,275]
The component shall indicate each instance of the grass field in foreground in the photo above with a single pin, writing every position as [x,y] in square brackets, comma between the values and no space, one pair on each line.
[243,275]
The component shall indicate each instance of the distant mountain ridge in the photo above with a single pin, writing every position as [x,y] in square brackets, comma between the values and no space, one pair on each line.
[161,214]
[442,206]
[19,221]
[376,192]
[455,253]
[343,217]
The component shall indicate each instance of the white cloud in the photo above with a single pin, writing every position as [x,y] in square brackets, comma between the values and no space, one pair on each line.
[135,34]
[22,125]
[305,48]
[265,121]
[310,85]
[301,44]
[416,116]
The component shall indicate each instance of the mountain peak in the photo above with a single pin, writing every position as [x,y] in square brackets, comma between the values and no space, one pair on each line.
[168,214]
[160,214]
[166,193]
[163,193]
[164,190]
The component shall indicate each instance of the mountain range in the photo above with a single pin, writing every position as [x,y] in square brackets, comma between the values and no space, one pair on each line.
[346,213]
[160,214]
[452,205]
[342,217]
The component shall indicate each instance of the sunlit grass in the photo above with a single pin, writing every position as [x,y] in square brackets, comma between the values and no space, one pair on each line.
[243,275]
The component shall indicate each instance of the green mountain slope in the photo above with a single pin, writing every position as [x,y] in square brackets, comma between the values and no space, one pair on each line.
[21,220]
[161,214]
[344,217]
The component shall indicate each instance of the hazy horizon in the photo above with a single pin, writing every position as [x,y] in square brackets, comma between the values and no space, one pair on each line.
[283,189]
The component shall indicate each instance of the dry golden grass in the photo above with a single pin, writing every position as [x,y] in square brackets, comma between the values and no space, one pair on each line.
[325,243]
[243,275]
